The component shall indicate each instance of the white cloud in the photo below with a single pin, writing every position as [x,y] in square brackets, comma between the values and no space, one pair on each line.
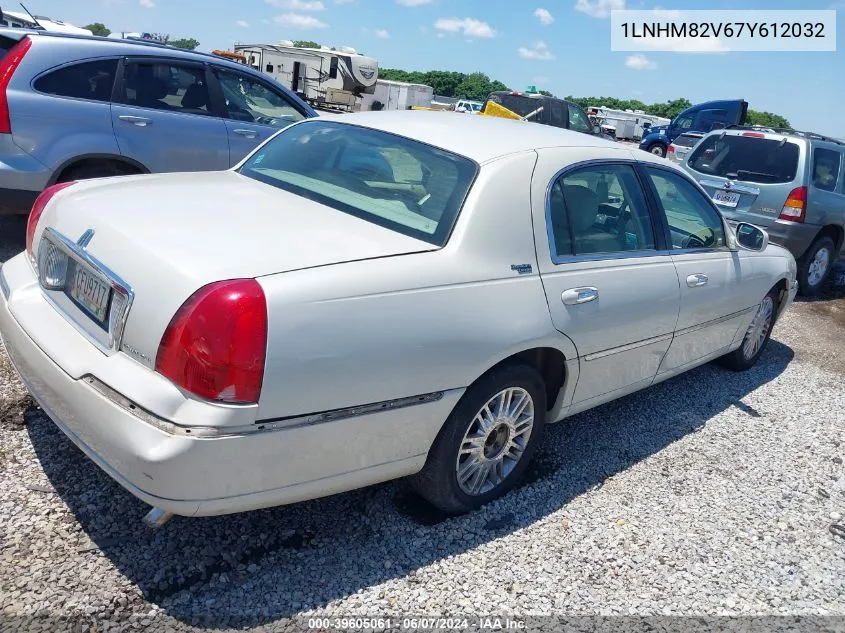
[413,3]
[538,52]
[344,1]
[298,5]
[544,16]
[382,34]
[468,26]
[243,24]
[149,4]
[299,21]
[640,62]
[599,8]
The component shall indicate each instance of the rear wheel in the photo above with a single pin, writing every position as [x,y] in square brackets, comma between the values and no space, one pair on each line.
[658,149]
[487,442]
[756,337]
[815,265]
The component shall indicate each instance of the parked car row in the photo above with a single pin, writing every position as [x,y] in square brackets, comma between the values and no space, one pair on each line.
[75,107]
[790,183]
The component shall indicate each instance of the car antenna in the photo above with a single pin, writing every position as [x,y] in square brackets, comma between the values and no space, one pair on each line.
[34,19]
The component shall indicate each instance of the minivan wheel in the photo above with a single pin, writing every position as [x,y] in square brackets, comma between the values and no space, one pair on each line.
[756,336]
[815,265]
[485,445]
[658,150]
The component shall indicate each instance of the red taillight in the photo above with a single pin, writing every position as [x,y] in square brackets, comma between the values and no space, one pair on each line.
[38,208]
[754,134]
[215,345]
[8,65]
[671,149]
[795,207]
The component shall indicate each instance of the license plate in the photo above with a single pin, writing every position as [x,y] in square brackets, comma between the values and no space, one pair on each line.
[726,198]
[91,293]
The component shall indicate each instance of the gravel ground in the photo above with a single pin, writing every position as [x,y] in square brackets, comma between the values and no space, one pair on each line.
[711,494]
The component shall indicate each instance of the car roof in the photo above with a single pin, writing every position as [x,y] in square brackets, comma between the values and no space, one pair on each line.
[778,134]
[481,138]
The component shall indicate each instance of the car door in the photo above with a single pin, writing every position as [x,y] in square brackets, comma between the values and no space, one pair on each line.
[717,292]
[253,110]
[611,286]
[163,118]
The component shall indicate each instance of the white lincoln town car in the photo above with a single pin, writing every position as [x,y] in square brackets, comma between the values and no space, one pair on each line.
[372,296]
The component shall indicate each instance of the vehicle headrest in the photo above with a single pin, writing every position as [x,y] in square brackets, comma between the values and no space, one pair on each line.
[582,204]
[195,97]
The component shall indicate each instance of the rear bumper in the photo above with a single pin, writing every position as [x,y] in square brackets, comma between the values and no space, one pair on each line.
[16,201]
[208,475]
[22,177]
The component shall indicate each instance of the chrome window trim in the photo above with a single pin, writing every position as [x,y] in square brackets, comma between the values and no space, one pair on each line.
[110,343]
[594,257]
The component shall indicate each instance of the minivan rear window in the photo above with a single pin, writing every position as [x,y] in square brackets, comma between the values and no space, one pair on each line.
[685,140]
[746,158]
[6,43]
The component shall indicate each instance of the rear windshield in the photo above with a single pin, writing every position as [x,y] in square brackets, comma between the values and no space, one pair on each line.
[746,158]
[519,104]
[686,141]
[6,43]
[392,181]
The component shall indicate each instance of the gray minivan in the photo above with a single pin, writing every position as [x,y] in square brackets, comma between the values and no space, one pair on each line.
[75,107]
[790,183]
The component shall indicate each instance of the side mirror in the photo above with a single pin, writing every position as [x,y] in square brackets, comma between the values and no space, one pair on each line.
[751,238]
[596,129]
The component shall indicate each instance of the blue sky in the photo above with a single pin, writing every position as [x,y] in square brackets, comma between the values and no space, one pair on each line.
[559,45]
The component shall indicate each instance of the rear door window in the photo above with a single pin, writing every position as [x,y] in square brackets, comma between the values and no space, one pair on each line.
[826,164]
[165,86]
[746,158]
[89,80]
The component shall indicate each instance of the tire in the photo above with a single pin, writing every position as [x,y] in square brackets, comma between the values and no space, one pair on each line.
[438,481]
[811,279]
[658,149]
[747,354]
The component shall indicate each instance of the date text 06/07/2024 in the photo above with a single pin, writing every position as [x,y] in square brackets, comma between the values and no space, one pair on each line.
[415,624]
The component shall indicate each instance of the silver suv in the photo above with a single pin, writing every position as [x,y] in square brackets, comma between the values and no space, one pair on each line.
[790,183]
[74,107]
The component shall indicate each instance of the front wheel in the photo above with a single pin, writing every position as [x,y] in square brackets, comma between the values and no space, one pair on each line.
[487,442]
[815,266]
[756,337]
[657,149]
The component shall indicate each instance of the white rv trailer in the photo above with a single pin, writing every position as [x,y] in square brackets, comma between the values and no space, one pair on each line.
[325,78]
[397,95]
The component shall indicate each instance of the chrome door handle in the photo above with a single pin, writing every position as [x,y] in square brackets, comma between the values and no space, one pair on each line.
[577,296]
[696,281]
[246,133]
[140,121]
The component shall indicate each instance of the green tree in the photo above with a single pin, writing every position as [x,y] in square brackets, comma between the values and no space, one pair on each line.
[546,93]
[98,28]
[305,44]
[766,119]
[189,43]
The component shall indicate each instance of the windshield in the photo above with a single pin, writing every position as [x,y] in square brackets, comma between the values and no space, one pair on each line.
[389,180]
[518,104]
[746,158]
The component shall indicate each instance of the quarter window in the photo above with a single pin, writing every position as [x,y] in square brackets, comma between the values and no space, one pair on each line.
[826,168]
[599,209]
[693,222]
[578,121]
[90,80]
[250,100]
[167,87]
